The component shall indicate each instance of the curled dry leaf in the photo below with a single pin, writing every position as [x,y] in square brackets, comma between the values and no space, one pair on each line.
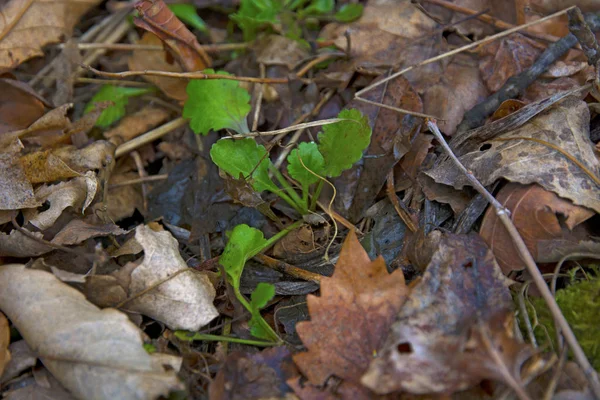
[433,346]
[4,342]
[21,359]
[96,354]
[78,230]
[511,154]
[67,162]
[157,18]
[141,60]
[18,245]
[254,376]
[20,105]
[27,26]
[357,305]
[50,126]
[77,193]
[537,215]
[184,302]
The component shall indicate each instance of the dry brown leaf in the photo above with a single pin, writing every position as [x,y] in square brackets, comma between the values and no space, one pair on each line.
[433,346]
[96,354]
[15,189]
[27,26]
[506,57]
[4,342]
[537,215]
[123,201]
[42,385]
[67,162]
[459,89]
[18,245]
[279,50]
[78,230]
[141,60]
[254,376]
[49,129]
[77,193]
[157,18]
[103,290]
[564,125]
[22,358]
[20,105]
[348,321]
[184,302]
[134,125]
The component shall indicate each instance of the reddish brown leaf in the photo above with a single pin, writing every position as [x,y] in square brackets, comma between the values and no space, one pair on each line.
[4,342]
[506,108]
[157,18]
[20,106]
[357,304]
[537,214]
[428,348]
[504,58]
[254,376]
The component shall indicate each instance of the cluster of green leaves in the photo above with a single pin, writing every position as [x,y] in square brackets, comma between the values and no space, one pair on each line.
[119,96]
[340,146]
[580,306]
[256,15]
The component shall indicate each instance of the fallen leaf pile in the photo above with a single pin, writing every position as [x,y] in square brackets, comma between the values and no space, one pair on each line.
[218,199]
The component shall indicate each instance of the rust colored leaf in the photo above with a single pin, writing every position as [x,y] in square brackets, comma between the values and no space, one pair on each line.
[254,376]
[357,304]
[552,149]
[149,59]
[506,108]
[437,343]
[20,106]
[537,214]
[504,58]
[28,25]
[4,342]
[157,18]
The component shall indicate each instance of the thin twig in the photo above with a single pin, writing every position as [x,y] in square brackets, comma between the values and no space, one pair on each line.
[185,75]
[151,178]
[150,136]
[503,215]
[586,38]
[288,269]
[288,129]
[460,50]
[210,48]
[399,110]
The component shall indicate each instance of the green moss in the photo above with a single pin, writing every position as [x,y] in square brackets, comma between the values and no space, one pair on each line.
[580,304]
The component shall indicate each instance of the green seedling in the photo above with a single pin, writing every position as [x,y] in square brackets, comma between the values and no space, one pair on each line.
[187,13]
[340,146]
[119,96]
[285,16]
[216,104]
[244,243]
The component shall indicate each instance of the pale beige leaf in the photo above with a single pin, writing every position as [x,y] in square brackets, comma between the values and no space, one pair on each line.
[96,354]
[184,302]
[17,244]
[28,25]
[15,189]
[21,358]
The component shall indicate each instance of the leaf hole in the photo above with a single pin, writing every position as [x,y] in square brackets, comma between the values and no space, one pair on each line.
[404,348]
[485,147]
[468,264]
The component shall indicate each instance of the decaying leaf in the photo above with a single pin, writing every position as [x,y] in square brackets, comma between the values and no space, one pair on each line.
[134,125]
[157,18]
[21,358]
[537,214]
[357,304]
[15,189]
[96,354]
[27,26]
[184,302]
[435,345]
[78,230]
[279,50]
[20,105]
[17,244]
[511,154]
[4,342]
[254,376]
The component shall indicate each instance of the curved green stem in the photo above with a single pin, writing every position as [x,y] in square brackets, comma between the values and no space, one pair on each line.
[183,335]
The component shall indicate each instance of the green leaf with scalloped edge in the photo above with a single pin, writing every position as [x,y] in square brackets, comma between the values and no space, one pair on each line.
[342,144]
[349,12]
[318,7]
[187,13]
[244,243]
[119,96]
[244,157]
[311,158]
[254,15]
[216,104]
[262,294]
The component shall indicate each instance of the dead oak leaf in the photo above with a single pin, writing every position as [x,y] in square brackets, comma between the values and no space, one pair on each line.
[356,305]
[27,26]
